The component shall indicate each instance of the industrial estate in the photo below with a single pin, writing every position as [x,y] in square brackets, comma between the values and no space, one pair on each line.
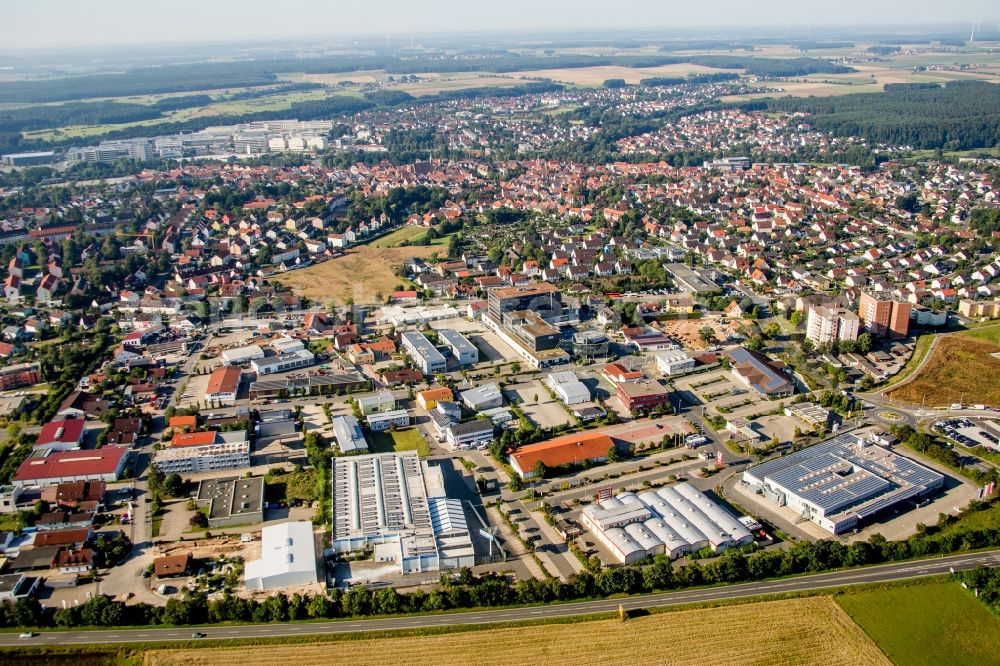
[368,332]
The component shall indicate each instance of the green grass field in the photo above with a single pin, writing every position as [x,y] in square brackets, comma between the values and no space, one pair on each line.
[926,625]
[408,439]
[989,334]
[397,237]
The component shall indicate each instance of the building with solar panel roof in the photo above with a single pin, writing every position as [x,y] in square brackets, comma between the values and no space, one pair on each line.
[843,482]
[759,373]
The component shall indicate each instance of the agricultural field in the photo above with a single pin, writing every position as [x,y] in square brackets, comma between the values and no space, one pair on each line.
[926,625]
[956,365]
[595,76]
[812,630]
[360,274]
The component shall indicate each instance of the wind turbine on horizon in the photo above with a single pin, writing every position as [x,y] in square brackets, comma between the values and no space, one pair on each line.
[975,24]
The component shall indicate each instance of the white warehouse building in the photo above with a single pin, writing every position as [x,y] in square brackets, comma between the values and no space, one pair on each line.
[424,354]
[674,362]
[568,387]
[287,557]
[461,349]
[395,504]
[673,521]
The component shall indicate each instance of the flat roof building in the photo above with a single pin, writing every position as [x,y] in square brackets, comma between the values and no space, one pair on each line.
[674,362]
[673,521]
[424,354]
[568,387]
[461,349]
[204,452]
[486,396]
[396,504]
[383,401]
[842,482]
[642,394]
[347,432]
[691,280]
[293,360]
[287,558]
[232,501]
[379,421]
[241,355]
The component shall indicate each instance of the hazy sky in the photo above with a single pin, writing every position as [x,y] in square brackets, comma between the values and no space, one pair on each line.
[31,24]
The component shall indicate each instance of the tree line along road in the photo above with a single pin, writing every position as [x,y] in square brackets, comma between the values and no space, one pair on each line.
[874,574]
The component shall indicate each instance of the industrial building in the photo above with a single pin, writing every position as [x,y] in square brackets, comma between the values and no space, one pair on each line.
[568,387]
[241,355]
[293,360]
[104,464]
[383,401]
[483,397]
[673,521]
[674,362]
[809,412]
[424,354]
[232,501]
[590,344]
[223,386]
[395,504]
[204,452]
[842,482]
[347,432]
[689,279]
[60,435]
[287,558]
[459,346]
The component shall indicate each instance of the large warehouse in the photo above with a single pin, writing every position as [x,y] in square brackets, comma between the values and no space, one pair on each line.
[395,504]
[287,557]
[673,521]
[842,482]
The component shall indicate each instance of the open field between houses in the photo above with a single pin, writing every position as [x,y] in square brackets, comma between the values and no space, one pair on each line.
[407,439]
[926,624]
[987,333]
[360,274]
[959,369]
[811,630]
[399,236]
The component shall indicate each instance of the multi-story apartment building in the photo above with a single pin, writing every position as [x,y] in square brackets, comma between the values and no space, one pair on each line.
[884,317]
[826,325]
[204,452]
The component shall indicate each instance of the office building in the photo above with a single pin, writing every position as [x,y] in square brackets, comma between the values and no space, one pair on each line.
[828,325]
[525,317]
[293,360]
[395,504]
[204,452]
[383,401]
[884,317]
[474,434]
[674,362]
[379,421]
[424,354]
[841,483]
[642,395]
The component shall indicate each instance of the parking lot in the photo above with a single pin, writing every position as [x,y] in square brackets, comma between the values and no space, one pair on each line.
[194,391]
[971,432]
[534,400]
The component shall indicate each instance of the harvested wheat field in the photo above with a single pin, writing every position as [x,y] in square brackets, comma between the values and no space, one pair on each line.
[960,369]
[360,274]
[811,630]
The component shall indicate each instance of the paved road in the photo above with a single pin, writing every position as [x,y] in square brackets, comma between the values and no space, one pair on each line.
[882,573]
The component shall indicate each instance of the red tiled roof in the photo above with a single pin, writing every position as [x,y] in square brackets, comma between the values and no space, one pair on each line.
[563,450]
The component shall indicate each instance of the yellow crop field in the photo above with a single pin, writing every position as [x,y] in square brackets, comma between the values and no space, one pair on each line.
[812,630]
[360,274]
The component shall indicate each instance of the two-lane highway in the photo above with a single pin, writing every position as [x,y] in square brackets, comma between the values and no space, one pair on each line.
[876,574]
